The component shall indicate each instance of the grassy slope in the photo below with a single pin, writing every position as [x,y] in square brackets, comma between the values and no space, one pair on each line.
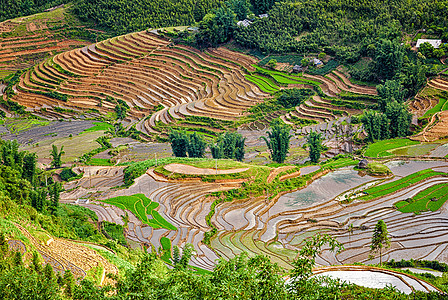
[141,207]
[422,201]
[391,187]
[380,149]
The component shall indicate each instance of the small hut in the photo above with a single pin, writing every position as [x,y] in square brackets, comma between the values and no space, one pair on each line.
[363,164]
[297,69]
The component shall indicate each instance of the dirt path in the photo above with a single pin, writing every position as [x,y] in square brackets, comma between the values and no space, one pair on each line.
[277,171]
[190,170]
[436,129]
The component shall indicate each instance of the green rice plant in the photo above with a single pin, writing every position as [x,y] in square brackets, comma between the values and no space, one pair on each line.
[380,149]
[99,126]
[141,207]
[423,201]
[391,187]
[440,106]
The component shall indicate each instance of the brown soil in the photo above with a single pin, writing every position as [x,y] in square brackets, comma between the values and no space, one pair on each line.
[435,130]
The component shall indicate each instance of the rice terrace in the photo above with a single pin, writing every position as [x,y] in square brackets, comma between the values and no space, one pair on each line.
[239,149]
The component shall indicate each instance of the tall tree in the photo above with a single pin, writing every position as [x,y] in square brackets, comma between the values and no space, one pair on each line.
[388,59]
[229,145]
[380,238]
[29,167]
[239,7]
[376,125]
[196,146]
[390,91]
[314,141]
[179,143]
[399,117]
[278,141]
[56,155]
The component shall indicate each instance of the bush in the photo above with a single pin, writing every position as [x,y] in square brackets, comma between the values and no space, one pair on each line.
[294,97]
[67,173]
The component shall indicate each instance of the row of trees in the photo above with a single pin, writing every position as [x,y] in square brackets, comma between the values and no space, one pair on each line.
[133,15]
[183,143]
[230,145]
[241,277]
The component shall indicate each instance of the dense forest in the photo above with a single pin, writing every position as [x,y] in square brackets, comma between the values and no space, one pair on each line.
[124,16]
[16,8]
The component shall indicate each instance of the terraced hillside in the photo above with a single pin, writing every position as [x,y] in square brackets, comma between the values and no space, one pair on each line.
[152,76]
[432,106]
[333,203]
[337,96]
[28,40]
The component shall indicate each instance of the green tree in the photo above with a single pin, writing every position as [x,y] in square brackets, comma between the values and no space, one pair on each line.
[376,125]
[390,91]
[239,7]
[29,166]
[426,49]
[399,117]
[11,156]
[278,141]
[380,238]
[272,63]
[262,6]
[179,143]
[314,141]
[306,260]
[54,191]
[229,145]
[196,146]
[56,155]
[216,28]
[294,97]
[388,59]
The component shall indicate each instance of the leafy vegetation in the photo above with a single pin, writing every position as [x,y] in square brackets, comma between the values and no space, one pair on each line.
[143,208]
[129,15]
[391,187]
[429,199]
[278,141]
[380,149]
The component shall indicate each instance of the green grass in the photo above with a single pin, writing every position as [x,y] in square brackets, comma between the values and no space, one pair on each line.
[332,164]
[374,168]
[440,106]
[380,149]
[99,126]
[391,187]
[262,83]
[283,78]
[18,125]
[142,207]
[99,162]
[422,201]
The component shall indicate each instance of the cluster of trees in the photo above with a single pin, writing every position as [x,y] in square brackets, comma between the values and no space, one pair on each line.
[428,51]
[294,97]
[393,118]
[229,145]
[133,15]
[183,143]
[343,28]
[32,194]
[121,109]
[242,277]
[16,8]
[278,141]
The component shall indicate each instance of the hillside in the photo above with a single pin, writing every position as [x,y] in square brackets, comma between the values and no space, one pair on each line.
[223,149]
